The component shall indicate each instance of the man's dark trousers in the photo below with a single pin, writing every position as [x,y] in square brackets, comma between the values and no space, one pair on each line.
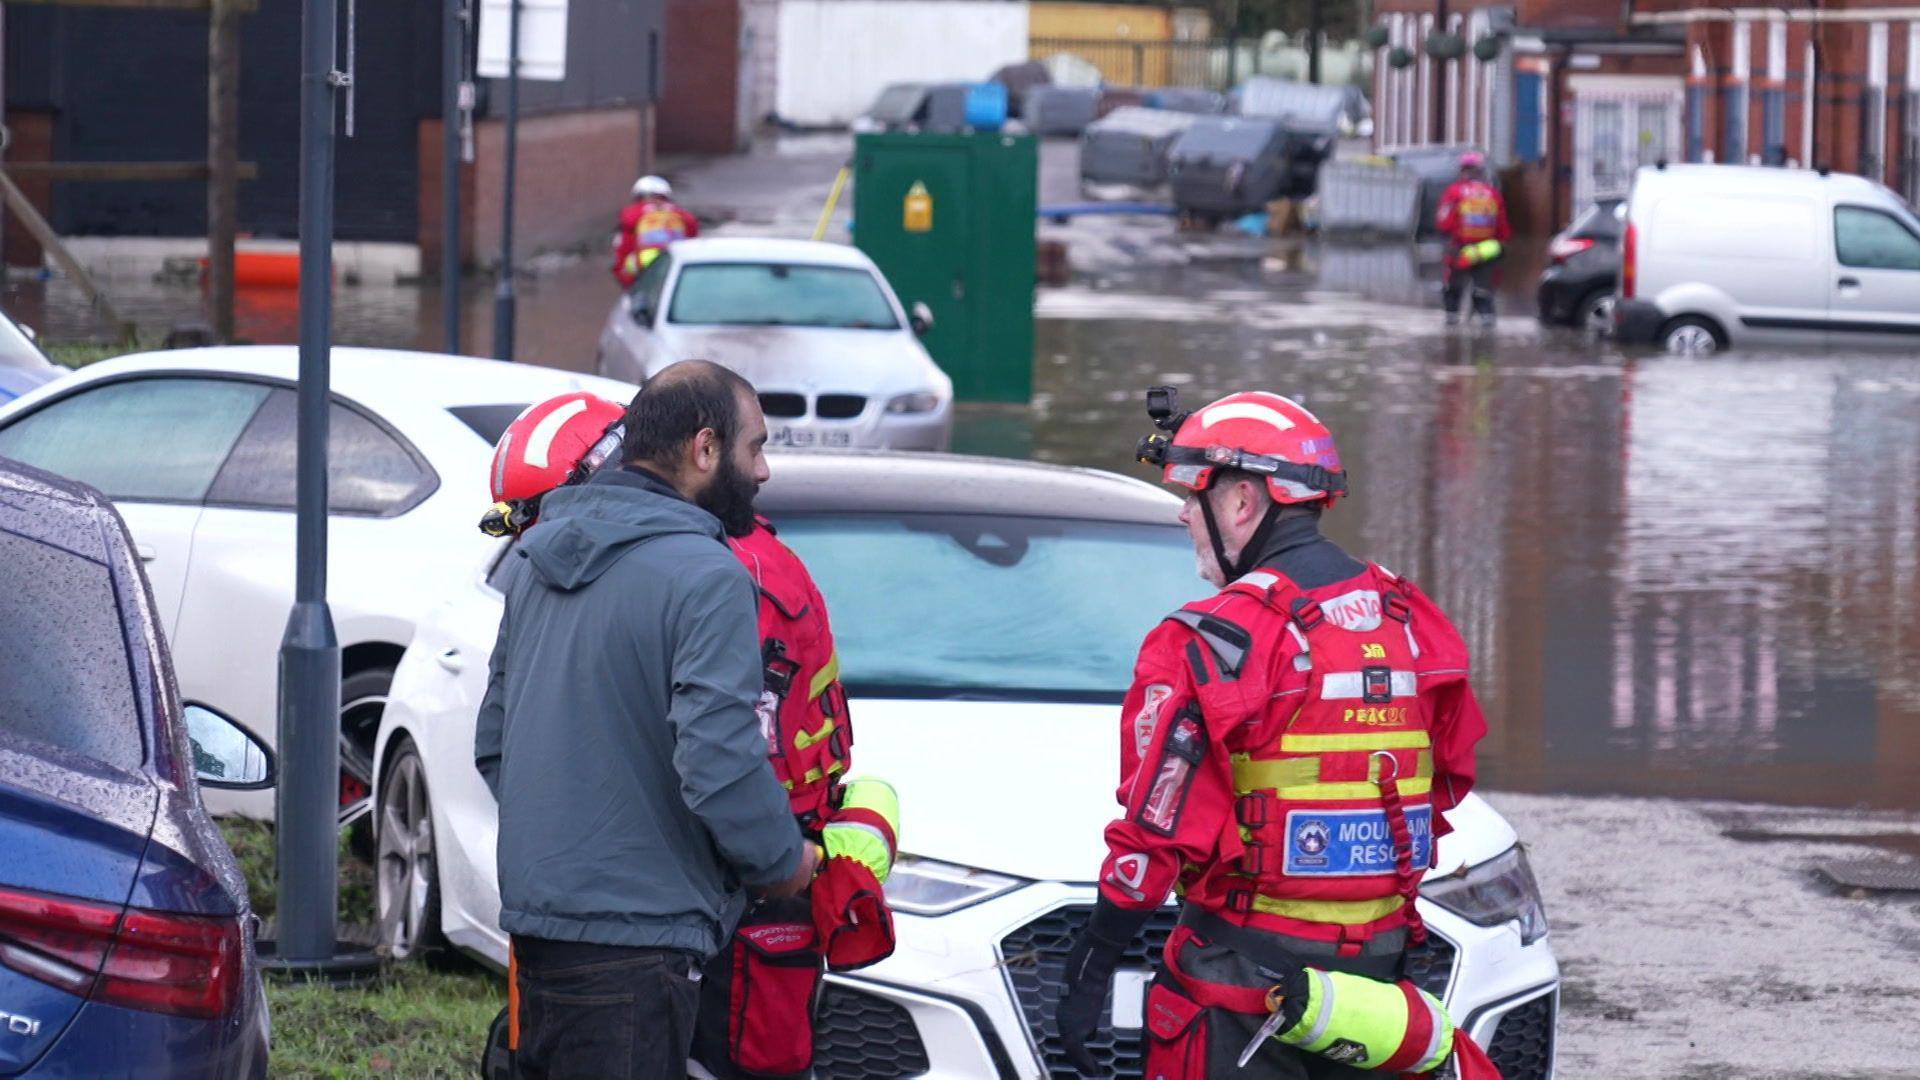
[590,1011]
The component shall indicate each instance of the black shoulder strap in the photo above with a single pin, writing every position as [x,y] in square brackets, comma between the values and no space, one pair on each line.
[1226,639]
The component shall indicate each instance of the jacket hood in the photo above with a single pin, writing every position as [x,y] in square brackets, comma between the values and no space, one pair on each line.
[585,529]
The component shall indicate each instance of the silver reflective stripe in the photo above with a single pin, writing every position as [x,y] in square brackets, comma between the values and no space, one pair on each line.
[1440,1025]
[1324,987]
[1259,579]
[1340,685]
[1230,654]
[1412,645]
[1302,660]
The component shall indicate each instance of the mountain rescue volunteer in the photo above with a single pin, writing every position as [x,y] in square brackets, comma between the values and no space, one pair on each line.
[1473,218]
[1287,750]
[619,734]
[647,225]
[757,997]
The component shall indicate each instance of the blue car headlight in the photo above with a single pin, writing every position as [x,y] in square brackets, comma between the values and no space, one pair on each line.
[929,887]
[1500,890]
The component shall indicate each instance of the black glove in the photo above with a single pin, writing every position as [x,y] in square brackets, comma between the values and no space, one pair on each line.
[1096,953]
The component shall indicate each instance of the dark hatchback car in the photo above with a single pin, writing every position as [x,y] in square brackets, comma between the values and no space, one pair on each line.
[1583,268]
[126,937]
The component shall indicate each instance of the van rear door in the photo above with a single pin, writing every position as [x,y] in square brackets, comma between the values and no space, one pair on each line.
[1875,279]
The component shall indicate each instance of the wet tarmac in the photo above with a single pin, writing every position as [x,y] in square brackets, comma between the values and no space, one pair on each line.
[1684,577]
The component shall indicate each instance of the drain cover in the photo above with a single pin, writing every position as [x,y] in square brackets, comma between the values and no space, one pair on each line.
[1885,875]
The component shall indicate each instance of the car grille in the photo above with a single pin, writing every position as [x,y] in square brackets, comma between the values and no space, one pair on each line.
[782,405]
[1035,958]
[864,1037]
[839,406]
[1522,1045]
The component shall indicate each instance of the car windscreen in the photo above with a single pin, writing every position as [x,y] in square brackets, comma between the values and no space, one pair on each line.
[67,680]
[780,294]
[990,606]
[488,421]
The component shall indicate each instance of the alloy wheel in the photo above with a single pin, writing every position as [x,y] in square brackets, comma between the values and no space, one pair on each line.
[404,865]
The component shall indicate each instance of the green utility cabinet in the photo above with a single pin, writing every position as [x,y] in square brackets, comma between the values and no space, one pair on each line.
[950,220]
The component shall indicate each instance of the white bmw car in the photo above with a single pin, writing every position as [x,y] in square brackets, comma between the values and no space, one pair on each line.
[196,449]
[815,327]
[986,613]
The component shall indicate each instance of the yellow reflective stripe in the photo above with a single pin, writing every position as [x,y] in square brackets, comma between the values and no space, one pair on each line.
[860,842]
[1299,778]
[1371,740]
[825,676]
[1337,912]
[1357,789]
[803,739]
[1249,775]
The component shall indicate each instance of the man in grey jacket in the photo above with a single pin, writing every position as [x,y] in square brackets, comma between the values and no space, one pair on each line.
[618,734]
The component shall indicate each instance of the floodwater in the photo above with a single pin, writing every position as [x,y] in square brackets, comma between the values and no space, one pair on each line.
[1689,577]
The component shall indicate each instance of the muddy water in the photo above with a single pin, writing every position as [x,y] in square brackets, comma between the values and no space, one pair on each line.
[1678,577]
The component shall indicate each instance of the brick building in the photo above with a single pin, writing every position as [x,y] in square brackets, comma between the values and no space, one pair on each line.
[1572,101]
[1582,92]
[1833,83]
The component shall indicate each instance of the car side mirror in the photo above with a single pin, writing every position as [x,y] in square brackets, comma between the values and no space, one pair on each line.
[920,317]
[226,755]
[642,313]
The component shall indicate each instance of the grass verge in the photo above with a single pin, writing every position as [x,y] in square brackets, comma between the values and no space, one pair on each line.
[413,1022]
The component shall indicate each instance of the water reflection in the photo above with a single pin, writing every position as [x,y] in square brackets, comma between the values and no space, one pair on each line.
[1692,577]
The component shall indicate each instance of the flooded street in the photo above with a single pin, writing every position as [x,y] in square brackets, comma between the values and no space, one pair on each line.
[1679,577]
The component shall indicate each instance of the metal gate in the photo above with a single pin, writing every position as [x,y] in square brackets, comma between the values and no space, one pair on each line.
[1616,130]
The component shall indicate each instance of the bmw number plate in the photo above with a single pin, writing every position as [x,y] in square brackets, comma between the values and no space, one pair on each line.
[799,437]
[1352,843]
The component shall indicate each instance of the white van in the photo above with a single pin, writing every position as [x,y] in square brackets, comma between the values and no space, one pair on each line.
[1719,255]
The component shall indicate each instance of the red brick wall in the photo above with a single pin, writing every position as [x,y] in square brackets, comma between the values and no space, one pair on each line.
[601,152]
[699,97]
[430,208]
[32,134]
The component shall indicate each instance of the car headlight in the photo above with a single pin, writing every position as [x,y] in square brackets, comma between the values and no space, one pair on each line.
[1497,891]
[930,887]
[914,403]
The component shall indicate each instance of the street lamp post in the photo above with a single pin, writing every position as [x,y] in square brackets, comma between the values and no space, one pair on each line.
[306,813]
[503,292]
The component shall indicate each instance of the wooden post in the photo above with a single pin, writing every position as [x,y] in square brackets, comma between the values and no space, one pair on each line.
[223,145]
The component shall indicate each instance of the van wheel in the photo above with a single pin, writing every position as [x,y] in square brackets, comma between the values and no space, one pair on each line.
[1692,335]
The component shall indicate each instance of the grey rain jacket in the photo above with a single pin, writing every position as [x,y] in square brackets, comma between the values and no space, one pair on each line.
[618,729]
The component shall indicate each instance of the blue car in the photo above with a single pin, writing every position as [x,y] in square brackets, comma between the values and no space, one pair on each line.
[126,937]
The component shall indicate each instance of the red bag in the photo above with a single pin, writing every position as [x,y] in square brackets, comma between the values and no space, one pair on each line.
[850,914]
[758,996]
[1176,1034]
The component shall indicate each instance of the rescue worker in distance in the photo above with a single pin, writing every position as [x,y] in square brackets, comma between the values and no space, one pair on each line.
[757,997]
[1473,217]
[647,225]
[1288,747]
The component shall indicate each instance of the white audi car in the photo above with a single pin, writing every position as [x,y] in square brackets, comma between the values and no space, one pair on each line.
[815,327]
[987,613]
[196,449]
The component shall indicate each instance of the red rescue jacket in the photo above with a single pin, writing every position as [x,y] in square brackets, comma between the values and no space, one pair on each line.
[1277,743]
[1471,211]
[648,223]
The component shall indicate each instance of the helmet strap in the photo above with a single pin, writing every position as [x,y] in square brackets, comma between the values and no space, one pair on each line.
[1233,569]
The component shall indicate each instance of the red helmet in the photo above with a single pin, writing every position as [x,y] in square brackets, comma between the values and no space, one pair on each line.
[552,443]
[1255,432]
